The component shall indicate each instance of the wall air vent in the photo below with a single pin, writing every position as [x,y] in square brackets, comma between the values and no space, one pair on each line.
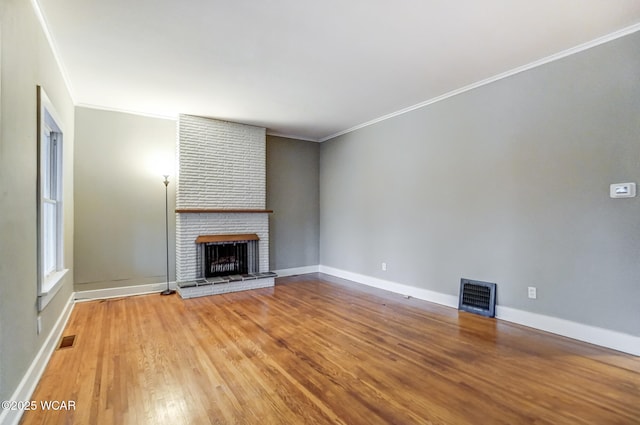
[477,297]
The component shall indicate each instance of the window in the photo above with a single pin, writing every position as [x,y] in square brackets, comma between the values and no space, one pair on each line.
[50,212]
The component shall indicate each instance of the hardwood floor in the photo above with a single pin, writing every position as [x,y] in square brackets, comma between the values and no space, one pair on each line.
[317,350]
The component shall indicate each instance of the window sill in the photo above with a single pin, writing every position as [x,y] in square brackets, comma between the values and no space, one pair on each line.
[50,288]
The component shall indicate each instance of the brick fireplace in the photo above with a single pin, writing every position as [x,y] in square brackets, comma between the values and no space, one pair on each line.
[221,190]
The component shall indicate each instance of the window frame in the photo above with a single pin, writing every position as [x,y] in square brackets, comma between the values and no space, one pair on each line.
[50,187]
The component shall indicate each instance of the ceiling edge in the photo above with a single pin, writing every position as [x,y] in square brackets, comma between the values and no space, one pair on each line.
[127,111]
[289,136]
[557,56]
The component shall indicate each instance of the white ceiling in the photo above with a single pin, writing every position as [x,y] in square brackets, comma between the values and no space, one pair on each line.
[307,69]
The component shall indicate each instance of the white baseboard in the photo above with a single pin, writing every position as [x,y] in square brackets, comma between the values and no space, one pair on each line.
[30,380]
[412,291]
[598,336]
[123,291]
[586,333]
[297,270]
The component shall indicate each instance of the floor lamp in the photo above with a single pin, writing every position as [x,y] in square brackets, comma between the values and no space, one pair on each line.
[167,291]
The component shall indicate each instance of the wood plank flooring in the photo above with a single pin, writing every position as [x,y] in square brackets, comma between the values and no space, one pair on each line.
[318,350]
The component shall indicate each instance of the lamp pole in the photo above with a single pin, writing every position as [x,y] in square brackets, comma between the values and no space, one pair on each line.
[167,291]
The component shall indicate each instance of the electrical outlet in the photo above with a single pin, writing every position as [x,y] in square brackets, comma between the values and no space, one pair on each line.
[533,292]
[384,267]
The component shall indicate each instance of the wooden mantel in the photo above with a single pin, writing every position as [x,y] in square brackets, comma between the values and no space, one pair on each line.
[227,238]
[219,211]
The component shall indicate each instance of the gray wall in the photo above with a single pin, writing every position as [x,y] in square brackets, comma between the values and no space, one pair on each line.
[26,61]
[120,199]
[293,195]
[507,183]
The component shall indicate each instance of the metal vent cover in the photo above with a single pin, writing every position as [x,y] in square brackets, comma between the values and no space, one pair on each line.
[477,297]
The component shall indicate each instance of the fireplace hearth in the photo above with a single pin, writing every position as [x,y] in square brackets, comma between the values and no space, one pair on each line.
[228,263]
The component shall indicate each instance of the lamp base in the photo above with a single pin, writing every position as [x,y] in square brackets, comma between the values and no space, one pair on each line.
[167,292]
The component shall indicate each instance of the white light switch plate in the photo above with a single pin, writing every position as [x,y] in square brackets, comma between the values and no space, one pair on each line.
[622,190]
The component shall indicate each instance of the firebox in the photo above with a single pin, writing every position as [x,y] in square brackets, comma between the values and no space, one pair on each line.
[225,259]
[226,255]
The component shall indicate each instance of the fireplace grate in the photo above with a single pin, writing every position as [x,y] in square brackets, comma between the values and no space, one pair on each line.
[477,297]
[222,259]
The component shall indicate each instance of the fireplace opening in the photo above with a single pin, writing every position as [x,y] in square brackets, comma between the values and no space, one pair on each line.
[225,259]
[227,255]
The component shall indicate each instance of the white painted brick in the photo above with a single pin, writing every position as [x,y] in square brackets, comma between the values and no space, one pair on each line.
[202,291]
[220,165]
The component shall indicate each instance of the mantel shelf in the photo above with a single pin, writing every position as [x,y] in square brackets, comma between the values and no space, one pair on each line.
[220,211]
[226,238]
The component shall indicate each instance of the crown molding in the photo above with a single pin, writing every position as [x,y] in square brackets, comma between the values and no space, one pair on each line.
[557,56]
[45,29]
